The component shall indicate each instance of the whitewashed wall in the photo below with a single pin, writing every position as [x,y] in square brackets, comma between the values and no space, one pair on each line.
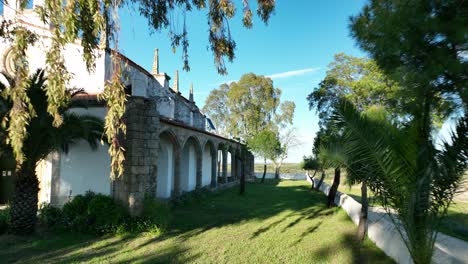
[83,169]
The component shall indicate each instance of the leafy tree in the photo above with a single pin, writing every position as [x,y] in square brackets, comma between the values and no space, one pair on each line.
[310,163]
[422,45]
[252,105]
[217,109]
[266,145]
[43,139]
[288,141]
[97,21]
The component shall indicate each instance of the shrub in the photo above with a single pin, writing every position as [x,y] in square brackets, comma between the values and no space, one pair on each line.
[4,220]
[105,214]
[75,213]
[50,216]
[156,215]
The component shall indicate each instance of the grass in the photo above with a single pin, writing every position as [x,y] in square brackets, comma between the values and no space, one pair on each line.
[276,222]
[292,168]
[455,223]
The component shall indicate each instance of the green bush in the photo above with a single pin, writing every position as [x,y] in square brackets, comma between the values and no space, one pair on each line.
[50,216]
[100,214]
[156,215]
[105,215]
[75,213]
[4,220]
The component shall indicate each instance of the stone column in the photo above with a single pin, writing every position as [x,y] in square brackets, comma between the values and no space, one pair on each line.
[177,189]
[214,169]
[142,149]
[224,165]
[199,172]
[233,165]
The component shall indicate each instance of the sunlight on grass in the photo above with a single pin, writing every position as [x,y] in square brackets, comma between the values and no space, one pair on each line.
[274,223]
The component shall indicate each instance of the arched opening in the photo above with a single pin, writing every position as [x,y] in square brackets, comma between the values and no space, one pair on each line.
[166,166]
[189,163]
[229,166]
[209,165]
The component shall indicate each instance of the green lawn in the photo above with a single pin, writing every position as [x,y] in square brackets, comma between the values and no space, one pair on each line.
[455,224]
[276,222]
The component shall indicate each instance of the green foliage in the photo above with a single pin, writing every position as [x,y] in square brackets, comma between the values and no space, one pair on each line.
[387,157]
[100,214]
[105,215]
[155,217]
[248,106]
[265,144]
[310,163]
[50,216]
[4,220]
[419,179]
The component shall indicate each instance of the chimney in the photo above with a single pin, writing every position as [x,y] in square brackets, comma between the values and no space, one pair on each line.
[155,70]
[191,92]
[176,82]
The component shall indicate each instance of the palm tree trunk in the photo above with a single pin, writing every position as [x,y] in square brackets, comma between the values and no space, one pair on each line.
[24,205]
[321,180]
[362,228]
[264,172]
[334,188]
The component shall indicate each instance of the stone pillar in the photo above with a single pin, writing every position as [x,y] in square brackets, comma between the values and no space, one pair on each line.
[199,172]
[233,165]
[177,189]
[214,169]
[224,165]
[142,149]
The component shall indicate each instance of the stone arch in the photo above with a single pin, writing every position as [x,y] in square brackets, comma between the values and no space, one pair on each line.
[167,165]
[190,164]
[209,159]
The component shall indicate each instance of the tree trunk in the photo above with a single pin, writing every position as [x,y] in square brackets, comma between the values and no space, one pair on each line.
[334,188]
[277,173]
[264,172]
[362,228]
[24,204]
[312,178]
[321,180]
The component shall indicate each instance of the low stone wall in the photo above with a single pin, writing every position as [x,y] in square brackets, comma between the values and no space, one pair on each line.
[384,234]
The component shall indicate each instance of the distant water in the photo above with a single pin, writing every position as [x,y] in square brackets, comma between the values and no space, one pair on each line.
[284,176]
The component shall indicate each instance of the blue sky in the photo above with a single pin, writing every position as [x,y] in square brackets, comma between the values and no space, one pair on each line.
[294,49]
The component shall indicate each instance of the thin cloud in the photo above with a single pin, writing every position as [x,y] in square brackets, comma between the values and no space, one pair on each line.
[288,74]
[281,75]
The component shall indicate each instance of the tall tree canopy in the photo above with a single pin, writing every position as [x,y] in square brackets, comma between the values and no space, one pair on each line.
[422,45]
[92,20]
[252,105]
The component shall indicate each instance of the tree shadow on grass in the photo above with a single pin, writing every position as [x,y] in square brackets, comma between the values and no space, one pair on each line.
[218,209]
[360,253]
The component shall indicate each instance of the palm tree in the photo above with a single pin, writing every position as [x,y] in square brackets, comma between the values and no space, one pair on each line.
[414,180]
[42,139]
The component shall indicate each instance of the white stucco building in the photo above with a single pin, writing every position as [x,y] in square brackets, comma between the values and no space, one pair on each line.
[179,155]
